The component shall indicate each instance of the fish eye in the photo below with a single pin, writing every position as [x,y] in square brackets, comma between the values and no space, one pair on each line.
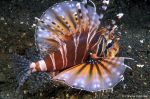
[110,43]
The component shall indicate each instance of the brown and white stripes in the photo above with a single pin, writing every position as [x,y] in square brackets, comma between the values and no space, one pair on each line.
[74,29]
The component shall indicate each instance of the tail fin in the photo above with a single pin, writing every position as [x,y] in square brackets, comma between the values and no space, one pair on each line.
[102,74]
[21,68]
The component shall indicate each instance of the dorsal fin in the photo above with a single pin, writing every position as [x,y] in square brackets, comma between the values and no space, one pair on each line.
[64,22]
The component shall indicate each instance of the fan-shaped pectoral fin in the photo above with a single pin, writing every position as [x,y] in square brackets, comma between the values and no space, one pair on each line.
[101,74]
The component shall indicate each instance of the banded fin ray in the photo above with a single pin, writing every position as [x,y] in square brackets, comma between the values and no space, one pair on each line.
[65,22]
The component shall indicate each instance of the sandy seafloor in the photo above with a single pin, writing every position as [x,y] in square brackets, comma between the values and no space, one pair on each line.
[17,35]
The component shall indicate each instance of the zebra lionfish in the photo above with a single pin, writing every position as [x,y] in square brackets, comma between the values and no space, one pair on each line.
[78,50]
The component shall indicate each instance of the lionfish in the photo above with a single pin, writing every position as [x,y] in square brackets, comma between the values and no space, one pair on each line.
[78,50]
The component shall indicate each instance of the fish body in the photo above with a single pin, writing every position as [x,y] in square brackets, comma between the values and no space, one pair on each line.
[78,48]
[71,29]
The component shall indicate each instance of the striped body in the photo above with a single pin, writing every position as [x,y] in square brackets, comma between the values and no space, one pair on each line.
[78,48]
[71,32]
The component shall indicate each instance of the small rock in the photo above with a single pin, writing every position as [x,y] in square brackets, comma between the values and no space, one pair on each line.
[21,22]
[124,86]
[120,15]
[145,83]
[125,32]
[67,95]
[36,18]
[129,49]
[9,66]
[41,94]
[25,91]
[10,50]
[7,94]
[33,25]
[2,18]
[23,34]
[140,65]
[142,41]
[113,21]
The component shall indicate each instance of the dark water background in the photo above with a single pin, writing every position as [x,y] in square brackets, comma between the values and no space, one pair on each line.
[17,35]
